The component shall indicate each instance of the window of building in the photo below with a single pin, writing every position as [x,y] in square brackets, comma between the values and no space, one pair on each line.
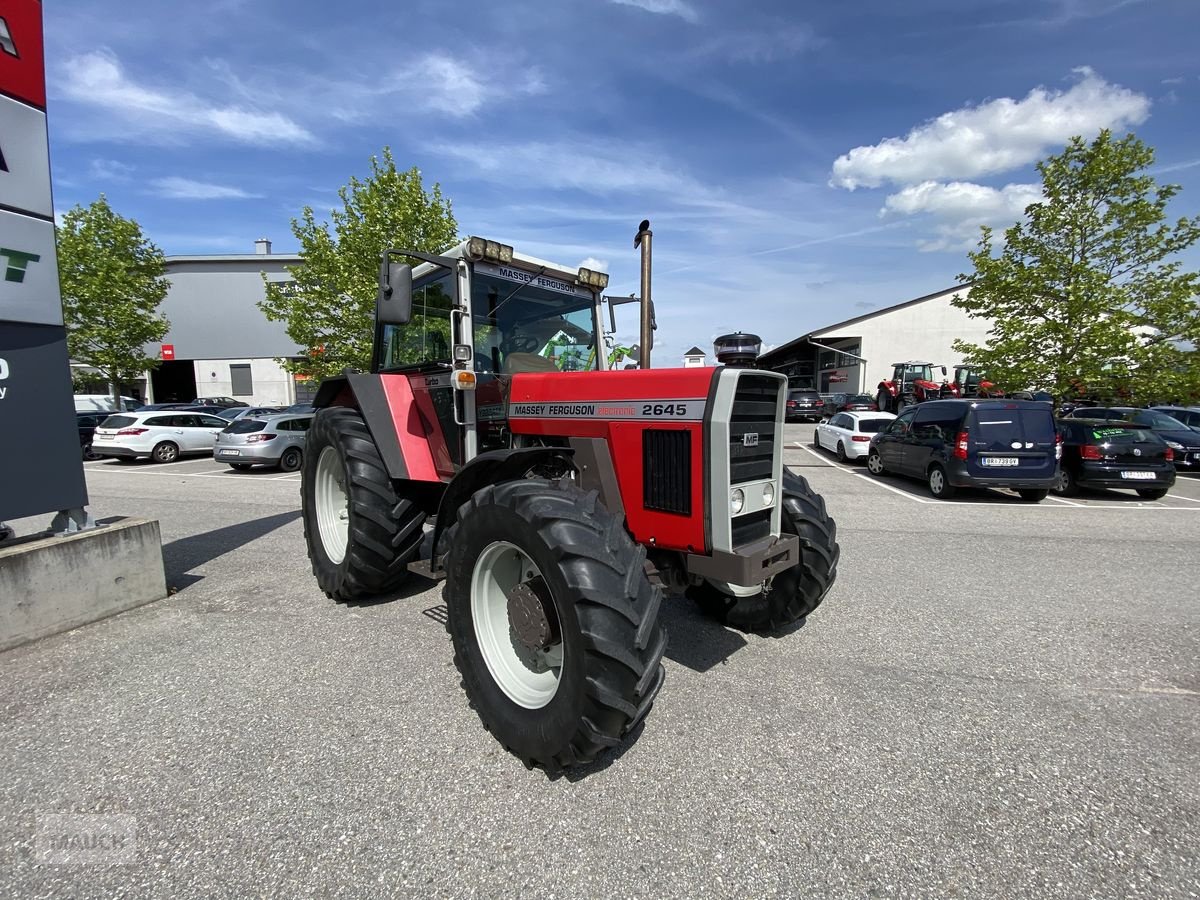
[239,376]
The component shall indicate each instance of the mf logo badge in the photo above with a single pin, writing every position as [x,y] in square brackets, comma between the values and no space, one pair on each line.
[17,261]
[750,439]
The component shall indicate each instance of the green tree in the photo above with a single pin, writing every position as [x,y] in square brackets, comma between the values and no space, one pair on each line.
[1088,294]
[329,306]
[112,283]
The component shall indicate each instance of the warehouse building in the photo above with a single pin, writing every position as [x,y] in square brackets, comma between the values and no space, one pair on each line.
[220,344]
[857,354]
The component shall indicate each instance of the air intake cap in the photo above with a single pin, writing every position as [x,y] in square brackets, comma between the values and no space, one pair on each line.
[738,349]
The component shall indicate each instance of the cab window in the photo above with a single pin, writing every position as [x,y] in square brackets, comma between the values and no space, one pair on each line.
[426,337]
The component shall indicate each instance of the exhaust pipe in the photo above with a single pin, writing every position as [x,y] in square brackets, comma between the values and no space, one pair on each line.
[643,239]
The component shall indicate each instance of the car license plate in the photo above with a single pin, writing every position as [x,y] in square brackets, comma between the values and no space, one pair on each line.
[1000,461]
[1138,476]
[229,453]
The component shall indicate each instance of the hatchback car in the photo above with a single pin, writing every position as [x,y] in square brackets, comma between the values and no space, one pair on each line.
[804,405]
[223,402]
[233,413]
[1182,440]
[851,403]
[848,434]
[160,435]
[952,444]
[270,441]
[1100,453]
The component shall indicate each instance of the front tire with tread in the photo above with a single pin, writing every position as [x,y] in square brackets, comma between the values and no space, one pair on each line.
[384,525]
[607,612]
[797,591]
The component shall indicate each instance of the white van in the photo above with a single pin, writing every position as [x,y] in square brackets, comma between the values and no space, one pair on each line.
[103,403]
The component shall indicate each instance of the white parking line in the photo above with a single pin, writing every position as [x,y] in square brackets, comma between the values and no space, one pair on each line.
[228,476]
[1181,497]
[1068,502]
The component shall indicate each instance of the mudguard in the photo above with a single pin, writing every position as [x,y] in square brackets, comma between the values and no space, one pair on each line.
[403,443]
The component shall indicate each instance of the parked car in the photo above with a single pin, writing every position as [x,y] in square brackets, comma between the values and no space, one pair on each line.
[1182,440]
[1188,415]
[848,434]
[233,413]
[850,403]
[87,422]
[103,403]
[150,407]
[272,441]
[223,402]
[952,444]
[1100,453]
[303,407]
[161,435]
[804,405]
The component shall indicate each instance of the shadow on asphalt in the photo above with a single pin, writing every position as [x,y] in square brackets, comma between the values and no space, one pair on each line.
[694,640]
[181,556]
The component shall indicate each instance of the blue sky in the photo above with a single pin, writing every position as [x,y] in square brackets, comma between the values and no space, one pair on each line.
[800,163]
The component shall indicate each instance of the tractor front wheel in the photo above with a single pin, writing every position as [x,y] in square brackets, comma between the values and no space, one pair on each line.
[795,592]
[361,531]
[553,619]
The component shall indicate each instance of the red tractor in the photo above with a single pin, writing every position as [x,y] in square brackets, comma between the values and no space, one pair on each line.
[559,503]
[971,381]
[912,382]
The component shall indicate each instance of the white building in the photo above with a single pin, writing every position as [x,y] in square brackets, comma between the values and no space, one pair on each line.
[857,354]
[693,359]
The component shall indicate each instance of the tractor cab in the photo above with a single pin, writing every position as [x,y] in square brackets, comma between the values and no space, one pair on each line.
[971,381]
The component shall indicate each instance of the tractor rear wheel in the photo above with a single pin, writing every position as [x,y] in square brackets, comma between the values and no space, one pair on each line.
[361,531]
[553,619]
[794,592]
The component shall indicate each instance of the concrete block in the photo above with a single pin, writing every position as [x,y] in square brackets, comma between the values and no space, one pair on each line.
[48,585]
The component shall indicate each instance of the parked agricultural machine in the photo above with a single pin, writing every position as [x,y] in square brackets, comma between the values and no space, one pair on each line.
[912,382]
[559,504]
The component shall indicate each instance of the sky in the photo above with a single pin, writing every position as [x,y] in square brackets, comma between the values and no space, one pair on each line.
[800,164]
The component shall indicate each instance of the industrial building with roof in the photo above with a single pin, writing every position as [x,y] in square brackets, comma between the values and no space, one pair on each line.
[857,354]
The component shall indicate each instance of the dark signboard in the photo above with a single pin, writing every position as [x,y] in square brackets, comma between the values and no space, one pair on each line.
[41,466]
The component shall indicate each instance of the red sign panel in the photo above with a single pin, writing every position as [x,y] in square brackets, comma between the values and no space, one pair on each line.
[22,67]
[168,351]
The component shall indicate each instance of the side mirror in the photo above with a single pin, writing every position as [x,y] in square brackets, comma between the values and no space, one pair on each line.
[393,306]
[943,371]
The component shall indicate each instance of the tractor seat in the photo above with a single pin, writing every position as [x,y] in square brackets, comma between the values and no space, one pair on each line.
[515,363]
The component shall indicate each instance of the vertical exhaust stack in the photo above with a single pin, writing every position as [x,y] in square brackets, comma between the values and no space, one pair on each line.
[738,350]
[643,240]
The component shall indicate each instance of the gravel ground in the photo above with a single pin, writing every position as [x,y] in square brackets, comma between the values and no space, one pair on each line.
[995,700]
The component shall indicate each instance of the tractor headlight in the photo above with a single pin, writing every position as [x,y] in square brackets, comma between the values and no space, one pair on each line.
[737,500]
[592,279]
[768,494]
[480,248]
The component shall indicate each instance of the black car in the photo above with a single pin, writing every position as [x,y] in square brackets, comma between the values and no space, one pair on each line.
[1188,415]
[1100,453]
[804,405]
[150,407]
[223,402]
[1182,440]
[850,403]
[951,444]
[87,422]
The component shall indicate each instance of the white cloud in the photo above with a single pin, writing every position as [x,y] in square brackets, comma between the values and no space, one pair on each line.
[177,188]
[959,208]
[685,11]
[110,170]
[995,136]
[596,265]
[96,79]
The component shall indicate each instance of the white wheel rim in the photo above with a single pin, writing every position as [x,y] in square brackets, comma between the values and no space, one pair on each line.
[935,481]
[332,505]
[531,679]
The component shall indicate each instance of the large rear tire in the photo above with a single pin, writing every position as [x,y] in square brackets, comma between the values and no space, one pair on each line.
[361,531]
[794,592]
[553,619]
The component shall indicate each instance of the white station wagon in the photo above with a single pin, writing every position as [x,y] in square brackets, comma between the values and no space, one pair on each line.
[849,434]
[162,435]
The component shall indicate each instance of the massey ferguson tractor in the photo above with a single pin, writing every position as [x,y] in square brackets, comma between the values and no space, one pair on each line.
[557,503]
[912,382]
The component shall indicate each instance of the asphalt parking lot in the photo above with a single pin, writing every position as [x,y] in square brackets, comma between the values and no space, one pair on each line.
[997,699]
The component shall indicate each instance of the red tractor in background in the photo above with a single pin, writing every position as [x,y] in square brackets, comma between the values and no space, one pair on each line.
[560,503]
[912,382]
[971,381]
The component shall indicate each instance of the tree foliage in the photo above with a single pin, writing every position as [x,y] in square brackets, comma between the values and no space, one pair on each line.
[112,284]
[329,306]
[1088,294]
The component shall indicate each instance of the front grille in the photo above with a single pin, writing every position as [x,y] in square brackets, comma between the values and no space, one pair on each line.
[667,470]
[754,406]
[751,527]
